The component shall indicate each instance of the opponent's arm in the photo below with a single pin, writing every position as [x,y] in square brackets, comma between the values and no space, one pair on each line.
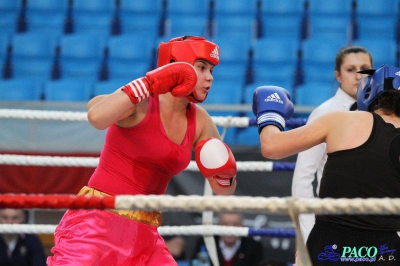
[217,163]
[272,107]
[271,116]
[178,78]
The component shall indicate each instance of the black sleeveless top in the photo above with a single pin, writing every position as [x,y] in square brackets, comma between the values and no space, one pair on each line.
[371,170]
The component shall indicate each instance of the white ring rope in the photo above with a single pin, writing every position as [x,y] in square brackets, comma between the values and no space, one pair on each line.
[163,230]
[272,205]
[82,116]
[37,160]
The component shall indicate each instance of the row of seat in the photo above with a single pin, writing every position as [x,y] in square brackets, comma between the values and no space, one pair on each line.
[171,18]
[273,60]
[68,90]
[362,7]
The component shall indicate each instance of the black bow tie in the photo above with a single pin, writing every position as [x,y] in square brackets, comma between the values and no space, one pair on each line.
[353,107]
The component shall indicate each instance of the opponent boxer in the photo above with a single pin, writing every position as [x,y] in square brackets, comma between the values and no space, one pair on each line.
[363,162]
[153,124]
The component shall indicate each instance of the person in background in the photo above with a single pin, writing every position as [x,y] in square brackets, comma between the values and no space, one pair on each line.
[363,150]
[153,125]
[349,60]
[176,246]
[234,250]
[19,249]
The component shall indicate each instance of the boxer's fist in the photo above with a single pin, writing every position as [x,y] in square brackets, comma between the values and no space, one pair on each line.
[178,78]
[272,106]
[215,159]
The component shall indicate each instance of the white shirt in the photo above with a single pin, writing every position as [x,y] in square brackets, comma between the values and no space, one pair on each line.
[229,252]
[313,160]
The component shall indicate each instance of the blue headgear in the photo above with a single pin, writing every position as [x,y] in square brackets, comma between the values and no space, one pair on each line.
[380,80]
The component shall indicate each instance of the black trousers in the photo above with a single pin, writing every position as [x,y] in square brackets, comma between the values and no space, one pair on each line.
[332,244]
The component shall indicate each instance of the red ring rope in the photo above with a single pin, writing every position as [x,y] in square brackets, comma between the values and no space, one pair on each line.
[55,201]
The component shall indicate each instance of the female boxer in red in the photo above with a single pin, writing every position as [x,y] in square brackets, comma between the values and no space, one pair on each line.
[153,124]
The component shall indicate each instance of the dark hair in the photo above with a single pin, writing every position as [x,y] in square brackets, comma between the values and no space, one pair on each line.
[348,50]
[388,102]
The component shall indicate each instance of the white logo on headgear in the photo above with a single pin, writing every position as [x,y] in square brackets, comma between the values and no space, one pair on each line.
[215,53]
[397,73]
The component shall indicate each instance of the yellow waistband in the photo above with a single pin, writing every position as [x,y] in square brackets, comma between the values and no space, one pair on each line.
[151,218]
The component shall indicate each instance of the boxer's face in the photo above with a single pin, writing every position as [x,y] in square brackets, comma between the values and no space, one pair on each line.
[204,71]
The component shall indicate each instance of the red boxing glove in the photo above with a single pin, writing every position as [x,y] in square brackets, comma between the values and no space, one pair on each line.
[179,78]
[215,159]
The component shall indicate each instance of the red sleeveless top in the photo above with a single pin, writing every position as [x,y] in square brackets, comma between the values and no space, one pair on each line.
[142,159]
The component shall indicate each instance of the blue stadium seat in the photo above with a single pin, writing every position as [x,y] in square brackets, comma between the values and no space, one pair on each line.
[129,47]
[282,7]
[314,93]
[383,51]
[129,56]
[186,25]
[377,27]
[275,51]
[331,27]
[281,26]
[281,76]
[83,60]
[68,90]
[45,7]
[317,73]
[52,23]
[237,8]
[94,6]
[93,23]
[33,45]
[234,26]
[127,70]
[224,92]
[107,87]
[20,89]
[320,51]
[9,7]
[373,8]
[4,43]
[141,7]
[198,8]
[226,71]
[8,23]
[32,55]
[340,8]
[34,69]
[249,90]
[233,49]
[140,17]
[140,24]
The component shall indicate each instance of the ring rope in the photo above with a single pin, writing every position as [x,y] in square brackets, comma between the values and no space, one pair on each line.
[82,116]
[166,230]
[194,203]
[38,160]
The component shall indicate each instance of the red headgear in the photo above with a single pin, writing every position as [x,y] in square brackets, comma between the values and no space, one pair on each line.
[188,50]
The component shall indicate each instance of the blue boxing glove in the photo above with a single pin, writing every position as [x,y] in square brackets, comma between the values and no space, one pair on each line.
[272,106]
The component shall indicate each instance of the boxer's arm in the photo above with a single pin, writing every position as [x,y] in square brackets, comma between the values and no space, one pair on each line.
[105,110]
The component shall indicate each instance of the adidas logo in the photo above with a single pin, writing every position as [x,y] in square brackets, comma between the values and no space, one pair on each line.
[215,53]
[397,73]
[274,97]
